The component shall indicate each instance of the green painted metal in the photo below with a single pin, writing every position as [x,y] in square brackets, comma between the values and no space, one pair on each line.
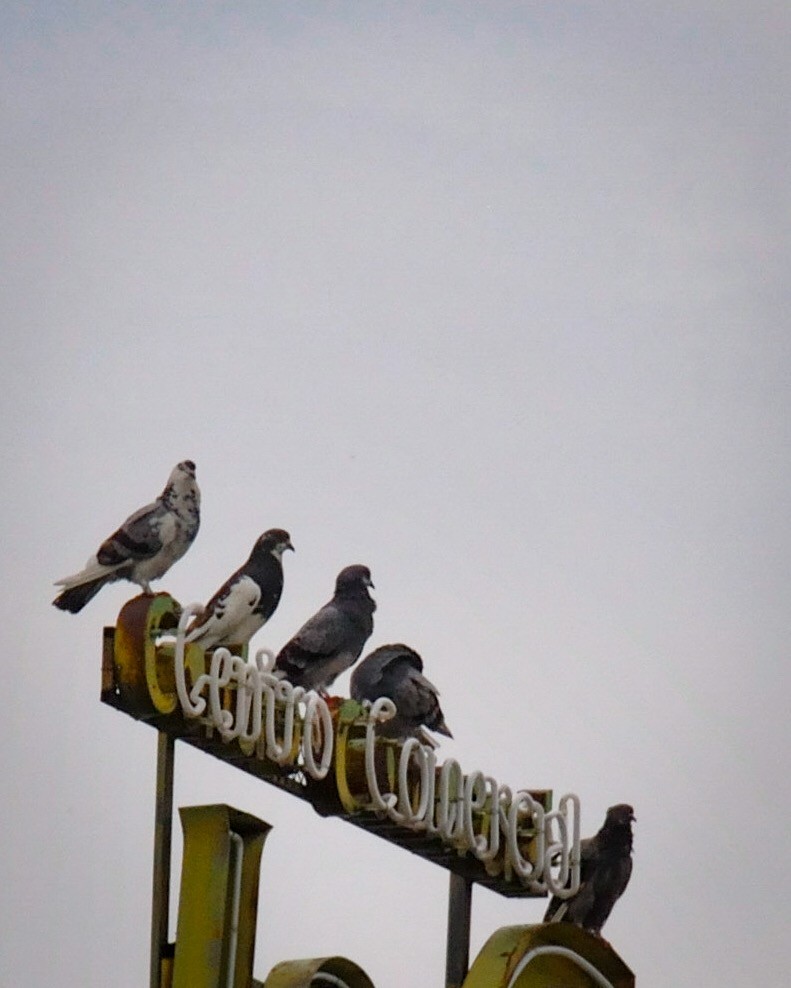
[204,934]
[144,677]
[550,955]
[321,972]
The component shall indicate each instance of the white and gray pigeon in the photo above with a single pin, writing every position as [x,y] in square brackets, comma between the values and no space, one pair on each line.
[331,641]
[396,671]
[605,870]
[145,547]
[247,599]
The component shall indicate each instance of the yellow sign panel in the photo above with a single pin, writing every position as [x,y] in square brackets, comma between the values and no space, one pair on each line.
[217,919]
[552,955]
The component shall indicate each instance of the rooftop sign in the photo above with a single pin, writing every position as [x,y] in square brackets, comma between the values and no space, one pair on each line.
[329,754]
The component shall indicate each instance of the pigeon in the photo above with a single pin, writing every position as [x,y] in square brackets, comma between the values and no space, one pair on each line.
[331,641]
[604,874]
[145,547]
[396,671]
[247,599]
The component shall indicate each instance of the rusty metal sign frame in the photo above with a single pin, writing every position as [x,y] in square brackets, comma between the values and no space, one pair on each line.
[138,679]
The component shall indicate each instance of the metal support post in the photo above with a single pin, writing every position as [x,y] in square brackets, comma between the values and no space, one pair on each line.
[163,823]
[458,949]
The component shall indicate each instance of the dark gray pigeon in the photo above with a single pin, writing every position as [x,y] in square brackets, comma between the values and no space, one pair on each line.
[333,638]
[247,599]
[396,671]
[145,547]
[606,867]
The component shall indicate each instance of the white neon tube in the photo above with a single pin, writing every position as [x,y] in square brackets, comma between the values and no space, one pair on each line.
[586,966]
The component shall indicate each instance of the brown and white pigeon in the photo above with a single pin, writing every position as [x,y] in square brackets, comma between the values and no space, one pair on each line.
[396,671]
[331,641]
[247,599]
[606,867]
[145,547]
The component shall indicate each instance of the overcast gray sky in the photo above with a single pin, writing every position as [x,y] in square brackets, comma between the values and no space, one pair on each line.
[490,297]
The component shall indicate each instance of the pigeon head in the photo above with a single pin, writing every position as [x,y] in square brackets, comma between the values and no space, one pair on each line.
[617,827]
[621,815]
[353,579]
[181,485]
[274,541]
[182,474]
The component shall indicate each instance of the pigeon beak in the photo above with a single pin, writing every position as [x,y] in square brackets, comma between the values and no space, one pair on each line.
[288,545]
[370,583]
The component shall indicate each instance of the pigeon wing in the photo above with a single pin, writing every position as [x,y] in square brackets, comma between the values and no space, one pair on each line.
[609,883]
[385,665]
[580,905]
[138,537]
[623,872]
[570,911]
[233,603]
[418,701]
[320,637]
[417,697]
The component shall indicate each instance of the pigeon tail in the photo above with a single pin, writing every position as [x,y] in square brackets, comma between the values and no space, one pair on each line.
[94,570]
[441,727]
[73,599]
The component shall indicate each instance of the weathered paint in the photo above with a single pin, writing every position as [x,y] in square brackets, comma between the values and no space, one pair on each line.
[558,955]
[144,670]
[203,934]
[302,973]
